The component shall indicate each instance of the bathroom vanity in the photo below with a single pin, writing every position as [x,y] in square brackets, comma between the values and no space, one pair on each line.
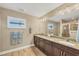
[54,46]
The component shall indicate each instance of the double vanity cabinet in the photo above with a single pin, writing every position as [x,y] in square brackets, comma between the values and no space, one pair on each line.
[51,48]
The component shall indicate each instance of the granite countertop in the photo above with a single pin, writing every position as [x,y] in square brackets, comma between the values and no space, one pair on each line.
[61,40]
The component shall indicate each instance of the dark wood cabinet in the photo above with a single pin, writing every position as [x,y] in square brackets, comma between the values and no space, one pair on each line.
[48,48]
[54,49]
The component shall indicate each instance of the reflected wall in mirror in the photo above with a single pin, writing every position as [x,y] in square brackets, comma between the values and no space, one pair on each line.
[73,27]
[65,31]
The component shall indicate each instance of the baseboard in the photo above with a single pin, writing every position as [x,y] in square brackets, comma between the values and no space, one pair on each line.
[15,49]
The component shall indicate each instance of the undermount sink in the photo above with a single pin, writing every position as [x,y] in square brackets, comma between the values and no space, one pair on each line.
[67,43]
[64,40]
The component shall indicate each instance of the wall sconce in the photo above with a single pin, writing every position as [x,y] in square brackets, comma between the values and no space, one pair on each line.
[30,30]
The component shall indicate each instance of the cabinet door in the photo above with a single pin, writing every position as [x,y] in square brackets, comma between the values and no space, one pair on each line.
[56,51]
[42,45]
[48,48]
[52,49]
[36,41]
[64,53]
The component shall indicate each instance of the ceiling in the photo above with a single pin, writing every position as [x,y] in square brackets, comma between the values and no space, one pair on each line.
[34,9]
[69,13]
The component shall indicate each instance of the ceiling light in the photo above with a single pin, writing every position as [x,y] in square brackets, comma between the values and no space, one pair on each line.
[44,19]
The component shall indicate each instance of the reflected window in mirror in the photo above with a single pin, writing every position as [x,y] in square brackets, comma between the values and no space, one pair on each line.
[50,26]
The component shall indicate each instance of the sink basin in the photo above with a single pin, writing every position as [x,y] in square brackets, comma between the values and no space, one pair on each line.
[63,40]
[66,43]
